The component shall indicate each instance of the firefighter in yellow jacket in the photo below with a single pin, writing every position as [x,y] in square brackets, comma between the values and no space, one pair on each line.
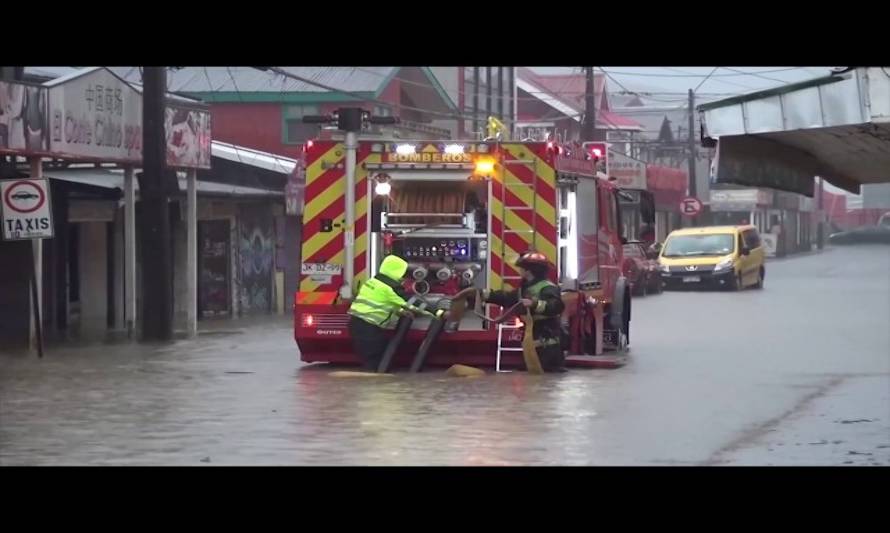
[377,307]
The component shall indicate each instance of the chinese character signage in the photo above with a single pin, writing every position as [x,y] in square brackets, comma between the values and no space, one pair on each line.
[95,115]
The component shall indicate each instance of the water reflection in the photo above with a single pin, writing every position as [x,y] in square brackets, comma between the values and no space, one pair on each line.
[239,399]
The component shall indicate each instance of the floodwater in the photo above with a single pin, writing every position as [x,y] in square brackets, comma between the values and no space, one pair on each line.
[711,379]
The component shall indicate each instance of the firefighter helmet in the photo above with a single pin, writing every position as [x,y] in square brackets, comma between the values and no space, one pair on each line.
[532,259]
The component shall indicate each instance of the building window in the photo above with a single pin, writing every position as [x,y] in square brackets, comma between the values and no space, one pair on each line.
[382,111]
[294,130]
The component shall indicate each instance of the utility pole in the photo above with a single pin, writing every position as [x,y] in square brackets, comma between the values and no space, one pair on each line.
[154,186]
[588,128]
[820,209]
[511,72]
[693,189]
[475,101]
[501,93]
[488,109]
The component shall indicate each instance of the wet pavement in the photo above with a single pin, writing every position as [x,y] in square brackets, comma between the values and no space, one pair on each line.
[714,378]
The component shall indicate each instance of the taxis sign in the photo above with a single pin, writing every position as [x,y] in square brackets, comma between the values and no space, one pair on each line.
[26,209]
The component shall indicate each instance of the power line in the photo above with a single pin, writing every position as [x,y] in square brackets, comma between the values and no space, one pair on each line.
[727,82]
[757,75]
[684,72]
[461,90]
[557,93]
[706,79]
[238,92]
[693,75]
[715,77]
[362,97]
[636,93]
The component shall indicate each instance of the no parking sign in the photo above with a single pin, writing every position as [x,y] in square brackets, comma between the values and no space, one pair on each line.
[690,206]
[26,210]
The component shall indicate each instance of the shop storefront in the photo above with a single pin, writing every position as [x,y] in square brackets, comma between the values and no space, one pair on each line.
[85,138]
[668,188]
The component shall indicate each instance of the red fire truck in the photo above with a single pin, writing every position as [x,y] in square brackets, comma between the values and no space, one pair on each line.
[460,213]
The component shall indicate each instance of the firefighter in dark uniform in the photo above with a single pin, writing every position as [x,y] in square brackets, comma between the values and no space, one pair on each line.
[543,298]
[377,307]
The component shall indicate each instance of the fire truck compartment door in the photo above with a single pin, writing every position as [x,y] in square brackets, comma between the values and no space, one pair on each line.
[587,222]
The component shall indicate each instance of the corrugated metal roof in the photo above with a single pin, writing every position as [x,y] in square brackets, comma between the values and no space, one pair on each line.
[545,97]
[72,75]
[561,93]
[568,88]
[610,119]
[247,156]
[50,72]
[250,79]
[171,97]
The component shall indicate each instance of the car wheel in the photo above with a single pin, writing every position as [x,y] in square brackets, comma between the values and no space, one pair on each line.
[735,283]
[656,285]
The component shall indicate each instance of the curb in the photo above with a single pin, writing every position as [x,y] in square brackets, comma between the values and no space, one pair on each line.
[800,255]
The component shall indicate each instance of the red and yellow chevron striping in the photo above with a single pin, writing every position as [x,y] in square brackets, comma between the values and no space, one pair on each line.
[325,203]
[523,209]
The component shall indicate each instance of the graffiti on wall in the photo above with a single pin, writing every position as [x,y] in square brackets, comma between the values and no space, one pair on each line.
[256,254]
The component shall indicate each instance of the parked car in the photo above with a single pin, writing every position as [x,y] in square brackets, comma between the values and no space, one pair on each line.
[640,269]
[879,233]
[864,235]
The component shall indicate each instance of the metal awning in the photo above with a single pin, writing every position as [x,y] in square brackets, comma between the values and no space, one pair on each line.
[255,158]
[836,127]
[114,179]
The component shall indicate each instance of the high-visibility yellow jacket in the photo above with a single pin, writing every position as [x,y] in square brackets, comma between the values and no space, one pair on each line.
[381,298]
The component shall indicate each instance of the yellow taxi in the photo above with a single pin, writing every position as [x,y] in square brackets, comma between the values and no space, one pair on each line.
[731,257]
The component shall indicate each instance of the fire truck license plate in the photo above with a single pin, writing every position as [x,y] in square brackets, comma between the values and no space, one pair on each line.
[310,269]
[691,279]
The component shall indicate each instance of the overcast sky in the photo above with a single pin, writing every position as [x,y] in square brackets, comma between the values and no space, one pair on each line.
[725,80]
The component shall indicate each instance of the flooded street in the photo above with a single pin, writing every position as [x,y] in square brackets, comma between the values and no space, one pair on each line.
[714,378]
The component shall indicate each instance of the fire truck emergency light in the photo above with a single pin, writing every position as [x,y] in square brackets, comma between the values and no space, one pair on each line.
[405,149]
[382,188]
[454,149]
[596,151]
[484,167]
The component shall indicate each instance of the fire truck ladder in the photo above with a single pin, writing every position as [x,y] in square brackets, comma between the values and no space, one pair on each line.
[514,185]
[513,324]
